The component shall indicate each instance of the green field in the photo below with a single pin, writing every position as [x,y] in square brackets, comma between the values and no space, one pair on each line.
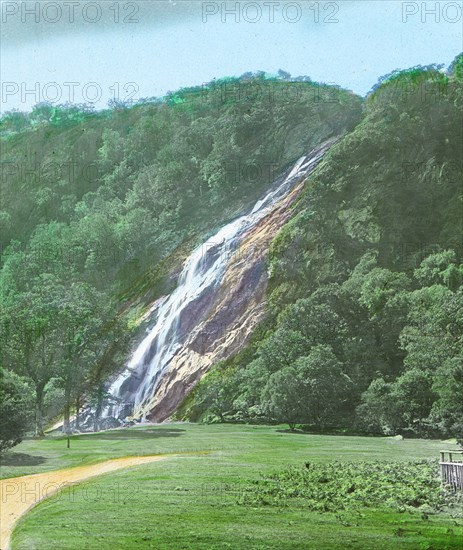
[193,501]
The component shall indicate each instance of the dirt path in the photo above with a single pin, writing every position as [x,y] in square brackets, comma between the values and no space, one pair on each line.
[20,494]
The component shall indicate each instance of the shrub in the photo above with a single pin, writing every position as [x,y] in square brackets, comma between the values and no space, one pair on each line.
[339,486]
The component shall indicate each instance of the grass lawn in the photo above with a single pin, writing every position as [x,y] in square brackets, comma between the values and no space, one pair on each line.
[191,501]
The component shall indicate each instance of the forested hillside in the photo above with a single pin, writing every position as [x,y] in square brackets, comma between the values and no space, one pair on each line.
[99,209]
[365,323]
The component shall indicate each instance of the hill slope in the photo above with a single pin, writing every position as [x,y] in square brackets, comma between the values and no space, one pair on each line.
[365,302]
[99,210]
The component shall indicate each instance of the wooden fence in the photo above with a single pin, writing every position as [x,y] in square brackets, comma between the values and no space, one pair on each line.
[452,470]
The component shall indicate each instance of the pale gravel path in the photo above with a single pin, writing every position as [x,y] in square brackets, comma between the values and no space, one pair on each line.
[19,494]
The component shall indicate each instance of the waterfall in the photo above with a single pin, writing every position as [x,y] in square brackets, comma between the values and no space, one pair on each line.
[203,271]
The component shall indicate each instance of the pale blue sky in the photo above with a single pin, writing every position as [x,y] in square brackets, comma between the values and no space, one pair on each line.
[174,44]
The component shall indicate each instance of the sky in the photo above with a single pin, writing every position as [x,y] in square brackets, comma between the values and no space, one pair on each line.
[86,51]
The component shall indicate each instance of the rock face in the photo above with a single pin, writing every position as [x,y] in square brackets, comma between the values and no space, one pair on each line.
[109,423]
[233,310]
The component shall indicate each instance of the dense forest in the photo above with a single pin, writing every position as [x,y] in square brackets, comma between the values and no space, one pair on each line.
[365,324]
[365,303]
[100,208]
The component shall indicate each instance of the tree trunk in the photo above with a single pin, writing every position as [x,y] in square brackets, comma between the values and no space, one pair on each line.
[77,413]
[67,411]
[39,395]
[99,408]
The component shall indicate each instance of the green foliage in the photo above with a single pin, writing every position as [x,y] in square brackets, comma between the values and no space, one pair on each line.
[440,269]
[448,408]
[456,67]
[403,404]
[133,183]
[310,392]
[97,207]
[282,397]
[15,406]
[365,291]
[338,486]
[371,265]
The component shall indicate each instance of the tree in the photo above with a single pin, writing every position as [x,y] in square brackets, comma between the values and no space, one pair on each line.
[282,348]
[14,121]
[440,269]
[434,329]
[217,394]
[311,391]
[317,322]
[282,397]
[447,410]
[379,287]
[323,386]
[283,75]
[15,401]
[30,326]
[106,358]
[378,411]
[81,318]
[405,404]
[456,67]
[413,390]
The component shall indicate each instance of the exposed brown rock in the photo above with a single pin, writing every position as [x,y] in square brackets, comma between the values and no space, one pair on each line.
[233,310]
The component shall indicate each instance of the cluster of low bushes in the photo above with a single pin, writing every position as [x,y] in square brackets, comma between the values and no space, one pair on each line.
[337,486]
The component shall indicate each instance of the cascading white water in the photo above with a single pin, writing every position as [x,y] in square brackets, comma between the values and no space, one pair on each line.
[203,270]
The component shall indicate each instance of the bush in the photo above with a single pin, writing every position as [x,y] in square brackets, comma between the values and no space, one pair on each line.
[345,485]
